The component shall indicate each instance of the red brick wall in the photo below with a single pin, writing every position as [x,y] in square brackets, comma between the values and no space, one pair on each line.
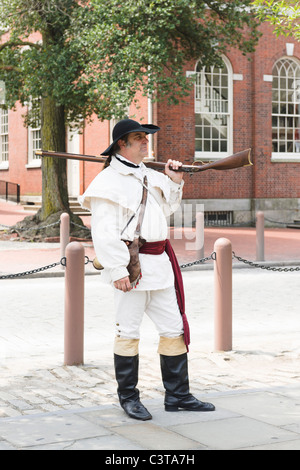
[93,142]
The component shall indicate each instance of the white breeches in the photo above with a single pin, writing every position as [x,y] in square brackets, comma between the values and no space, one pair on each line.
[160,305]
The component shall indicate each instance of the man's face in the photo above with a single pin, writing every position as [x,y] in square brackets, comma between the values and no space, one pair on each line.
[136,148]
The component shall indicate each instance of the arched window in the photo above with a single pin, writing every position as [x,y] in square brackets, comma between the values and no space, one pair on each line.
[213,111]
[286,110]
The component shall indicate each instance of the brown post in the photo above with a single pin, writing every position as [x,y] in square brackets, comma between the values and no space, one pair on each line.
[64,233]
[74,304]
[223,295]
[260,236]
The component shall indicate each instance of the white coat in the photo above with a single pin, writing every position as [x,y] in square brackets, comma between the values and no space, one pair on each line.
[113,197]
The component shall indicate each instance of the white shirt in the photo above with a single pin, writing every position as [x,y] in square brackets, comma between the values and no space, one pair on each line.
[114,197]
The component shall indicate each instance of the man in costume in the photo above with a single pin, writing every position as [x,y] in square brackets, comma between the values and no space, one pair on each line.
[115,200]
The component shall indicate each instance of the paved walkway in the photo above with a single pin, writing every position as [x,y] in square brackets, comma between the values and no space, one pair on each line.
[255,387]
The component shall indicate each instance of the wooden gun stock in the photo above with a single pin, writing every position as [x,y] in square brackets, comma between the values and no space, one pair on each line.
[237,160]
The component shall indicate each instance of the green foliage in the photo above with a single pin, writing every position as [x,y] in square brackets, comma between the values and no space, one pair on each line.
[95,55]
[283,15]
[143,45]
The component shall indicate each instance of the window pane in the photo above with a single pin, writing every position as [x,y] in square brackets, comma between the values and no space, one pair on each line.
[198,145]
[207,132]
[275,108]
[224,147]
[207,146]
[215,133]
[282,146]
[215,146]
[198,132]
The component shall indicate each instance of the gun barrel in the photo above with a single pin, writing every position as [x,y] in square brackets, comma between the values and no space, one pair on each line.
[70,156]
[237,160]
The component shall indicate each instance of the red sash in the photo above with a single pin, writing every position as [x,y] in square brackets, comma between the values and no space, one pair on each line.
[157,248]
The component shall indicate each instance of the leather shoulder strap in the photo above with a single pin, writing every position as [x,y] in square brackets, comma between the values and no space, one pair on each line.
[143,207]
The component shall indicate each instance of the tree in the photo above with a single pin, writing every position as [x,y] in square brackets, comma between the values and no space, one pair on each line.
[95,55]
[284,15]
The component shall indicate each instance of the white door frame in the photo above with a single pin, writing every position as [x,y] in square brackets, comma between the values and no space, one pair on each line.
[73,146]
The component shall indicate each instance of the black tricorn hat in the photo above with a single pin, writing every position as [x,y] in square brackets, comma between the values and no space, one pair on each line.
[126,126]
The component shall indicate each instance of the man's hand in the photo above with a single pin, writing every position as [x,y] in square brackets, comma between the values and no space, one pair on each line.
[123,284]
[175,176]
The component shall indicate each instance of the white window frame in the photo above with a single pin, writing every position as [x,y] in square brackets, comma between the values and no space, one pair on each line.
[34,138]
[4,138]
[291,116]
[4,146]
[201,103]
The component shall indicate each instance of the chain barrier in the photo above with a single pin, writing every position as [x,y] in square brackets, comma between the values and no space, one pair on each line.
[199,261]
[34,271]
[80,226]
[41,228]
[87,261]
[277,221]
[182,266]
[19,229]
[262,266]
[62,262]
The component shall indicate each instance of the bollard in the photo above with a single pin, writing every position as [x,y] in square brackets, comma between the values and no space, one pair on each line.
[200,235]
[64,233]
[74,304]
[260,236]
[223,295]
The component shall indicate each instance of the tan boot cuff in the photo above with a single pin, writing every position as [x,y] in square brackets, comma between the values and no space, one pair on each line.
[171,346]
[126,346]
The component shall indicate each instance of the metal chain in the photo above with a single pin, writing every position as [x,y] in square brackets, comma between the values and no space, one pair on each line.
[199,261]
[261,266]
[182,266]
[41,228]
[276,221]
[63,262]
[30,228]
[80,226]
[34,271]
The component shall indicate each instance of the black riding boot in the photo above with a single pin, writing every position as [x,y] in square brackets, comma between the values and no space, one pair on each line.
[126,369]
[175,378]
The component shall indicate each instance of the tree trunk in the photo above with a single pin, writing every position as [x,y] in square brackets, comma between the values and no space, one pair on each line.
[54,171]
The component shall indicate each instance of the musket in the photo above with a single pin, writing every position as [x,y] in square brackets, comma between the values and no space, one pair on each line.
[236,160]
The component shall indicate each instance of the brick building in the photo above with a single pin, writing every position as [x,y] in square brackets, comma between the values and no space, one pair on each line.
[246,103]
